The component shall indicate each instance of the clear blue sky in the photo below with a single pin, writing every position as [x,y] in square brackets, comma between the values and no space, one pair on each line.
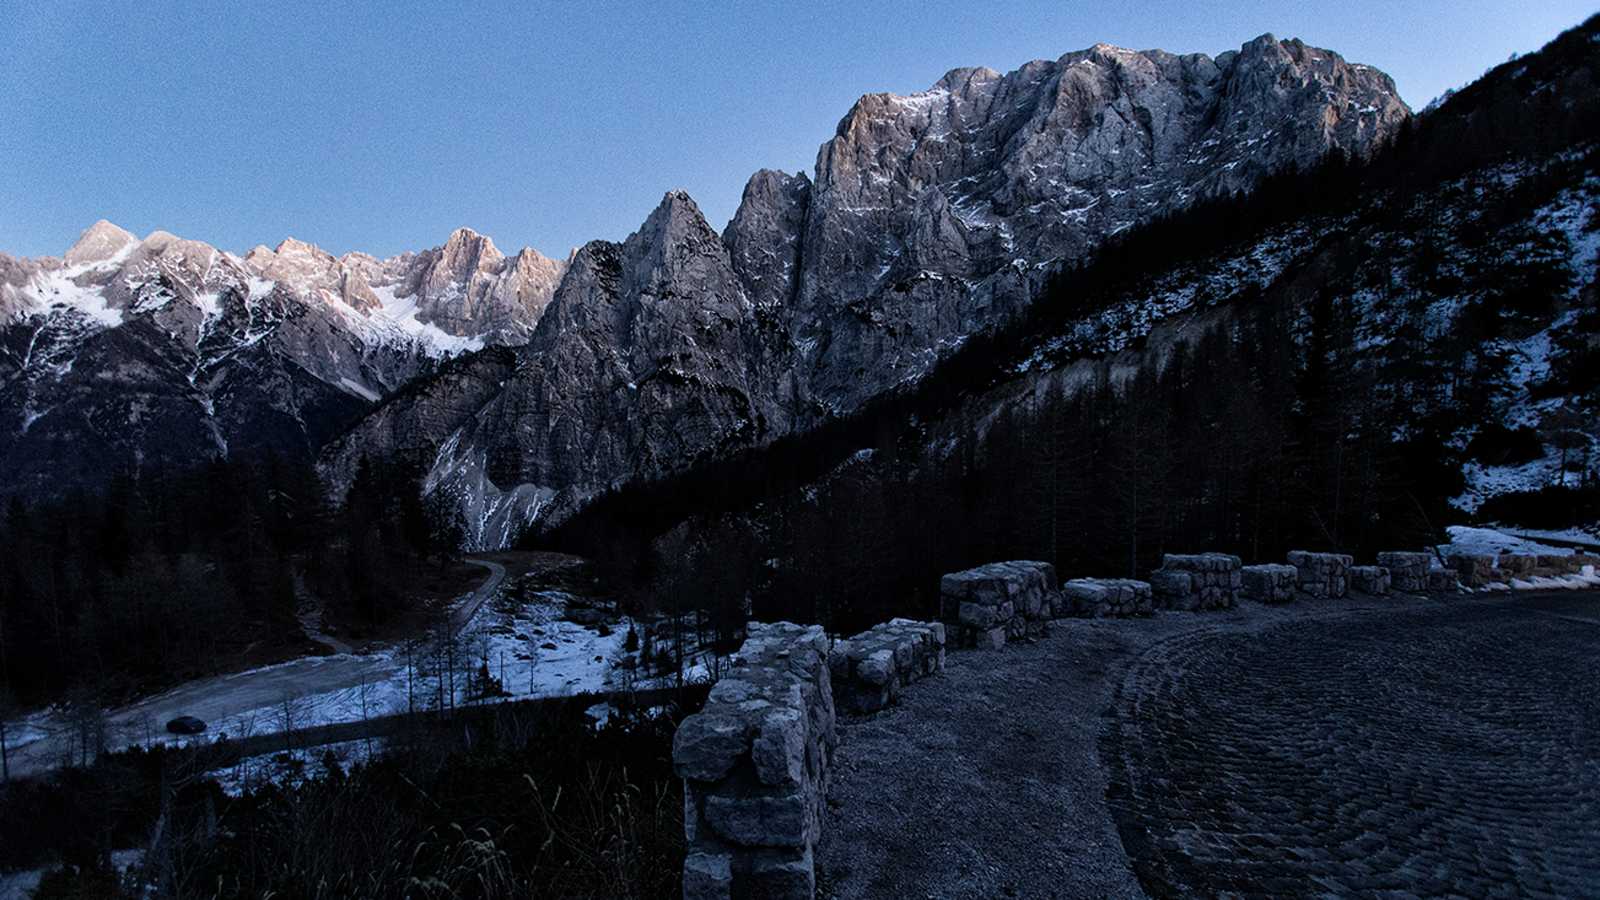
[382,127]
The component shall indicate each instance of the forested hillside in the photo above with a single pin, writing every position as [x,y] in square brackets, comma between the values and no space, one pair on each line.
[1349,358]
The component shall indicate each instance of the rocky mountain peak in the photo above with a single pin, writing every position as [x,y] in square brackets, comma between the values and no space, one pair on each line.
[98,243]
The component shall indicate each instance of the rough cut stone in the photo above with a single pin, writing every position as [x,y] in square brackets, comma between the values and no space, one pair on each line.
[1001,600]
[1194,581]
[1374,580]
[755,766]
[1101,597]
[1269,583]
[1408,571]
[1322,574]
[1476,570]
[870,669]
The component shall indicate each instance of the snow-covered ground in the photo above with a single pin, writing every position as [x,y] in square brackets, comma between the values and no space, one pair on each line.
[529,647]
[1472,541]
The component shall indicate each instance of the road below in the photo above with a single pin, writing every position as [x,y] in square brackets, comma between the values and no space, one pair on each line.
[1337,748]
[258,702]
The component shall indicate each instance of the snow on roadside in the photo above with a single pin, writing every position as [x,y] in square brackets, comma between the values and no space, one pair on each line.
[1468,540]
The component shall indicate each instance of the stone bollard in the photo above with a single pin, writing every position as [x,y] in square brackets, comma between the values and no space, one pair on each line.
[1408,571]
[1103,597]
[754,765]
[1198,581]
[1270,582]
[1443,580]
[988,605]
[1475,570]
[1322,574]
[870,669]
[1374,580]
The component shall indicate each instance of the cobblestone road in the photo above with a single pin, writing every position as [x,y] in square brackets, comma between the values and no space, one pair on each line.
[1435,749]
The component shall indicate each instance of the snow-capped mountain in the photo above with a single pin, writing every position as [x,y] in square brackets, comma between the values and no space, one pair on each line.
[126,353]
[926,219]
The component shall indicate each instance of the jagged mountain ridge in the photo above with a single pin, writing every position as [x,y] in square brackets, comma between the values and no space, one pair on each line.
[125,354]
[927,218]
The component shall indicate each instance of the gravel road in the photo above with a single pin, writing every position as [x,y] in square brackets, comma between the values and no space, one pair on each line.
[1346,747]
[225,697]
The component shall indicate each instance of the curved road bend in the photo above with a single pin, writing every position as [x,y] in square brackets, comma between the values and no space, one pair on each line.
[1358,747]
[225,697]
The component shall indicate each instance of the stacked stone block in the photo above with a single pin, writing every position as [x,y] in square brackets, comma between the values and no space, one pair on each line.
[1001,601]
[1196,581]
[1270,583]
[754,764]
[1103,597]
[870,669]
[1517,565]
[1407,571]
[1374,580]
[1322,574]
[1443,580]
[1475,570]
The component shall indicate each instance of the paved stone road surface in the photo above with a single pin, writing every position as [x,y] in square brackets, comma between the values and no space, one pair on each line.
[1359,747]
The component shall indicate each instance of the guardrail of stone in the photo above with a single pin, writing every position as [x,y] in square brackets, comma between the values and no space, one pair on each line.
[1195,581]
[1322,574]
[990,604]
[754,763]
[1374,580]
[1269,582]
[1103,597]
[870,669]
[1408,571]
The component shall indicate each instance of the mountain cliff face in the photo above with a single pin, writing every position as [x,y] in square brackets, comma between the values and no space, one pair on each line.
[926,219]
[128,354]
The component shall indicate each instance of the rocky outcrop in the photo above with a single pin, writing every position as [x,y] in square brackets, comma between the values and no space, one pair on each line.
[647,359]
[927,218]
[932,214]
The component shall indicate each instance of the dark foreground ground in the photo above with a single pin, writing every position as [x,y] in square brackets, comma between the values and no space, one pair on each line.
[1365,747]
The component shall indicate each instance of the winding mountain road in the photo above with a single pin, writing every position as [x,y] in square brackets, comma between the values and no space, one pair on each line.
[259,701]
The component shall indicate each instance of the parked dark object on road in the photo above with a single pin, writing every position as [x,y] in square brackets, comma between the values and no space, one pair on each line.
[186,725]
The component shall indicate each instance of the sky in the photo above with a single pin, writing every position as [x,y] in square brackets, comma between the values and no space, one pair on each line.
[384,126]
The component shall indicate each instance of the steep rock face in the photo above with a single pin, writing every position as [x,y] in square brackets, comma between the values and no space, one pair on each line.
[468,286]
[643,362]
[932,214]
[928,217]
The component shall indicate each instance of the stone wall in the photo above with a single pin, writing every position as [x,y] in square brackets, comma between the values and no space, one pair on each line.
[1197,581]
[1443,580]
[870,669]
[1102,597]
[1476,570]
[1372,580]
[754,765]
[1322,574]
[1270,582]
[1001,601]
[1407,571]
